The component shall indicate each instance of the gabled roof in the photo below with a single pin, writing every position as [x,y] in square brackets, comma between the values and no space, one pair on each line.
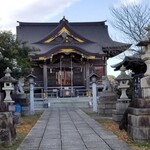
[90,37]
[135,64]
[63,30]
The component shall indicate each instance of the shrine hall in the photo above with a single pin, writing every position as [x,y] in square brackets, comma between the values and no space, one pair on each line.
[67,53]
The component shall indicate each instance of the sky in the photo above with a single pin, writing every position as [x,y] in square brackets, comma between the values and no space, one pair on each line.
[12,11]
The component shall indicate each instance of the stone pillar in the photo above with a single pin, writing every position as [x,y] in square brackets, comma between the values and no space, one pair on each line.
[123,101]
[94,97]
[93,77]
[31,78]
[139,113]
[31,98]
[45,77]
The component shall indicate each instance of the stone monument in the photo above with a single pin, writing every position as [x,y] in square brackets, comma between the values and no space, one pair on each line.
[139,113]
[107,99]
[123,102]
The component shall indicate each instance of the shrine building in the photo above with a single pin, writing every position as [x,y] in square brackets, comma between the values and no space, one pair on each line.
[68,52]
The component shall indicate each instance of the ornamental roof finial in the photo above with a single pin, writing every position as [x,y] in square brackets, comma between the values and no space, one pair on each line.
[63,19]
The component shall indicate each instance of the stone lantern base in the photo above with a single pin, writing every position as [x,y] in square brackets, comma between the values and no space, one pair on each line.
[121,107]
[139,124]
[106,103]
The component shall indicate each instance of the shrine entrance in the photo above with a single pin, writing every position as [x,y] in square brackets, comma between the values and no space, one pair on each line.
[66,73]
[64,77]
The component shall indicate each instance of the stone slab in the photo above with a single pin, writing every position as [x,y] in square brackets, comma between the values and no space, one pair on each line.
[139,121]
[139,134]
[117,144]
[70,129]
[139,111]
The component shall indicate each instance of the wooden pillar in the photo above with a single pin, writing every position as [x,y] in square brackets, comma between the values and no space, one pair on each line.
[84,74]
[105,66]
[45,76]
[87,75]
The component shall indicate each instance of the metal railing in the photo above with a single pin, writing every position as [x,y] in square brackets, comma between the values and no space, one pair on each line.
[56,93]
[83,93]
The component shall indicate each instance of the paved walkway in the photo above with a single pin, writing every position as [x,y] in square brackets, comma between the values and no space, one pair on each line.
[70,129]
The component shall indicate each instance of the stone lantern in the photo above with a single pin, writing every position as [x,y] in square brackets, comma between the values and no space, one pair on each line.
[139,113]
[93,78]
[123,101]
[31,78]
[8,81]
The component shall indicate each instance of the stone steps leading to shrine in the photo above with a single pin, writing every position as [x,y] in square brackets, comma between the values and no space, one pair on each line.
[78,102]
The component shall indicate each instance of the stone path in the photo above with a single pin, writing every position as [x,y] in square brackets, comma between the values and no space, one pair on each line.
[70,129]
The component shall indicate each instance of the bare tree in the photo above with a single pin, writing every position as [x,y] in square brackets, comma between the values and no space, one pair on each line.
[131,20]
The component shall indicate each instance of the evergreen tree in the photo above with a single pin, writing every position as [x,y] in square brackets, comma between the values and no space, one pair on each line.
[14,54]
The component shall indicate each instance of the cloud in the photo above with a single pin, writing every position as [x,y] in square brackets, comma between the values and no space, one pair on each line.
[127,3]
[130,2]
[12,11]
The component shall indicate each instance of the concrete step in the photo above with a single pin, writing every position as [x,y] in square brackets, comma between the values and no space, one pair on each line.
[79,102]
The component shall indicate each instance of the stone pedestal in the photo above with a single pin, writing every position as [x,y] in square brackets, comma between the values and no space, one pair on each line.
[139,119]
[121,107]
[139,124]
[7,128]
[106,103]
[22,99]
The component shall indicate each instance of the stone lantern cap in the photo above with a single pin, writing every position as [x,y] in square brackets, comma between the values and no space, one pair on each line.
[93,74]
[8,77]
[123,75]
[31,76]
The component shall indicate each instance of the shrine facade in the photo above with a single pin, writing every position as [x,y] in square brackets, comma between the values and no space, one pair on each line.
[68,52]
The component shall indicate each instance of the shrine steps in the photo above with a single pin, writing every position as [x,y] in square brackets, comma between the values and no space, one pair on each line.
[77,102]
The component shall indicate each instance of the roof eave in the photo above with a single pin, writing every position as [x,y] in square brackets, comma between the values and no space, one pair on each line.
[115,50]
[143,43]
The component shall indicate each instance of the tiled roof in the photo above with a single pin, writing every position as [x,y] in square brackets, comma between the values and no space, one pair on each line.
[97,39]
